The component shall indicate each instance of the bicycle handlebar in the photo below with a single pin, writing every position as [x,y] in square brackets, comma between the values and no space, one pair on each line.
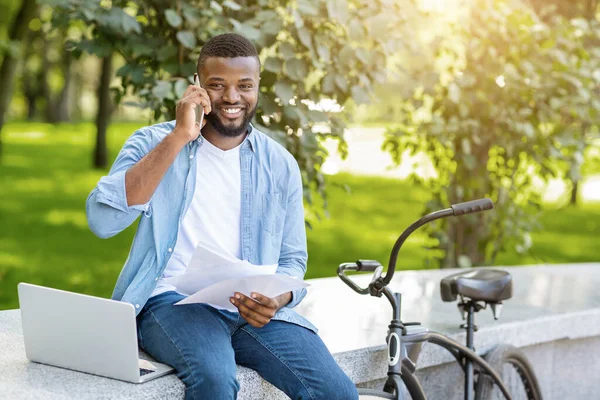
[359,266]
[472,207]
[459,209]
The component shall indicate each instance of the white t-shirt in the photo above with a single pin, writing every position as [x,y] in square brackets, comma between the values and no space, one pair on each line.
[214,215]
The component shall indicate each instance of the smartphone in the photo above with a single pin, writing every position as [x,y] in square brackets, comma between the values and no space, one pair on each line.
[199,110]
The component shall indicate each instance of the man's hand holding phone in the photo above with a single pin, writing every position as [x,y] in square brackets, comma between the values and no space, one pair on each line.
[188,121]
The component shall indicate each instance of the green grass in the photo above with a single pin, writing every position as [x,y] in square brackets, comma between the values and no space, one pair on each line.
[46,175]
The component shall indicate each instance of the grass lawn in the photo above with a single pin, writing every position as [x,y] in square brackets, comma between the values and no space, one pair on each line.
[46,175]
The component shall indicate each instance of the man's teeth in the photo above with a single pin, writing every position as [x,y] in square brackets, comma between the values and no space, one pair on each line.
[231,110]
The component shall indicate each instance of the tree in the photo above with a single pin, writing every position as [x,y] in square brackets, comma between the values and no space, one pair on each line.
[8,68]
[312,50]
[509,104]
[573,9]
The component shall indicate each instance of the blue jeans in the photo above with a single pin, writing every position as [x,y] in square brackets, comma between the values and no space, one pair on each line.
[204,345]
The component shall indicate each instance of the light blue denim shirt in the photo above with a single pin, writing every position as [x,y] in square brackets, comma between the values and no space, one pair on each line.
[272,213]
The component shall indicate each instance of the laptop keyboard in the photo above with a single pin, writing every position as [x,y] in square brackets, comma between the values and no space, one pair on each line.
[144,371]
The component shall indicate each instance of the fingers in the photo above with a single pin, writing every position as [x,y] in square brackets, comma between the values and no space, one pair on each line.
[198,98]
[197,95]
[256,314]
[265,301]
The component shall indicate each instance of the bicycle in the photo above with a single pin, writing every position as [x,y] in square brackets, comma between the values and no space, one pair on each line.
[476,289]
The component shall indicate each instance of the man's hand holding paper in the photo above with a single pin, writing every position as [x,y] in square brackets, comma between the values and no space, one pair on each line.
[215,279]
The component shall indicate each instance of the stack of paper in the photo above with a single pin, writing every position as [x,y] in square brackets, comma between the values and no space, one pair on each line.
[212,277]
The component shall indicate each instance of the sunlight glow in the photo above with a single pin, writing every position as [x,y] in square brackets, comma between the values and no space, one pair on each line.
[500,81]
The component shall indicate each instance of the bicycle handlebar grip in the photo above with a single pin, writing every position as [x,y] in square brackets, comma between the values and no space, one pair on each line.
[368,265]
[472,206]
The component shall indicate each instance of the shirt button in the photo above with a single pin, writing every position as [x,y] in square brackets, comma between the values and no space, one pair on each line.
[170,250]
[137,306]
[155,279]
[191,156]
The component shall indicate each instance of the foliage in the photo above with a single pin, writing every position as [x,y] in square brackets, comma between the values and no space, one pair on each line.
[509,107]
[311,50]
[45,238]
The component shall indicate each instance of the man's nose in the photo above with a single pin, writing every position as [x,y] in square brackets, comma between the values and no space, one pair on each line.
[231,95]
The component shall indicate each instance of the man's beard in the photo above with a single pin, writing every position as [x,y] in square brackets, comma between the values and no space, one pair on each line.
[231,131]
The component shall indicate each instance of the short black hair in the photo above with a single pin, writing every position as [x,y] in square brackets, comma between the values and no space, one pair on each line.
[227,45]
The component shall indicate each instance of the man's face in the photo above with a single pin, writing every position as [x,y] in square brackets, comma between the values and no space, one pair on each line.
[232,85]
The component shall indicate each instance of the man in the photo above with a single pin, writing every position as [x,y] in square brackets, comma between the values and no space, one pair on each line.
[233,189]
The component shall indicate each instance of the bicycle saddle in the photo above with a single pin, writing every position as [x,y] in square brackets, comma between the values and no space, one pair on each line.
[482,284]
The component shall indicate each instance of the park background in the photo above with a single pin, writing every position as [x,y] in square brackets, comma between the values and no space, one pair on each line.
[392,108]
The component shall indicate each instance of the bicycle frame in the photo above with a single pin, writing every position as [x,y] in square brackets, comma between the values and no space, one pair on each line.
[404,347]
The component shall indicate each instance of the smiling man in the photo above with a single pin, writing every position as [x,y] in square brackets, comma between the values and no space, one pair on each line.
[237,191]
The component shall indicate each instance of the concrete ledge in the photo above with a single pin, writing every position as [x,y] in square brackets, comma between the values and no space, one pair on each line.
[554,315]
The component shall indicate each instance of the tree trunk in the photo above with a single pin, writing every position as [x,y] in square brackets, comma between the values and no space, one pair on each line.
[45,91]
[30,77]
[574,192]
[62,108]
[103,116]
[17,33]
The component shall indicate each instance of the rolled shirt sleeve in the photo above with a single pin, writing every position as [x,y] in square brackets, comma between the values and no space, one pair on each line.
[106,207]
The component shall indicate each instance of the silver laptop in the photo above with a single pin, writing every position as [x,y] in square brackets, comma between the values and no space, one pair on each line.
[83,333]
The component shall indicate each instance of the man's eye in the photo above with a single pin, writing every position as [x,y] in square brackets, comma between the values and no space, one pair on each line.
[216,85]
[246,87]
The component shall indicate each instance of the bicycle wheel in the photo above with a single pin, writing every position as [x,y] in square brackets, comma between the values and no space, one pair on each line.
[516,373]
[411,384]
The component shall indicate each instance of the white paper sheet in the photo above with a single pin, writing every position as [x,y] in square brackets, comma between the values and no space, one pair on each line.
[208,266]
[218,294]
[212,277]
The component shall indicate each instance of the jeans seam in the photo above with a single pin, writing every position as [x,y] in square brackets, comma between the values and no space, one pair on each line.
[177,347]
[139,329]
[281,359]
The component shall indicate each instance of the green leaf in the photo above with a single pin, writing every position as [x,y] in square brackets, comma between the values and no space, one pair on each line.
[273,64]
[130,24]
[379,25]
[162,90]
[454,93]
[356,30]
[137,73]
[466,146]
[363,55]
[360,95]
[191,14]
[346,56]
[249,32]
[338,10]
[286,50]
[328,84]
[173,18]
[305,37]
[181,86]
[464,261]
[216,6]
[232,5]
[341,82]
[284,91]
[529,130]
[272,27]
[268,105]
[307,7]
[164,53]
[296,69]
[187,39]
[323,52]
